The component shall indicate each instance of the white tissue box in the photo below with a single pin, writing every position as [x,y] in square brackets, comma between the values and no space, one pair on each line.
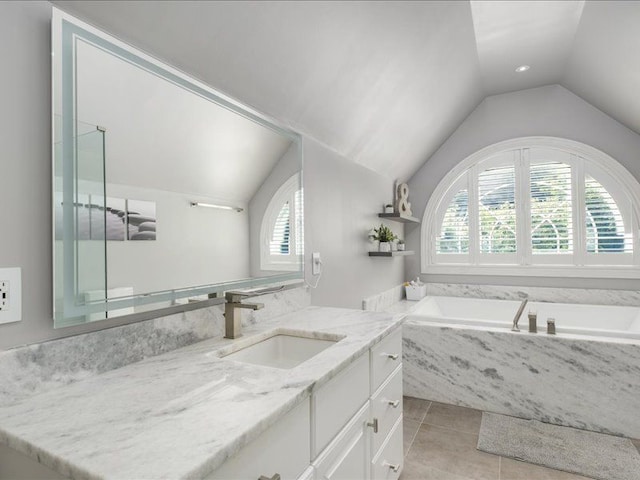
[416,292]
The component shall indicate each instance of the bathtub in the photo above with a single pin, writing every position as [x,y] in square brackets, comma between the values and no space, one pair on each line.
[591,320]
[462,351]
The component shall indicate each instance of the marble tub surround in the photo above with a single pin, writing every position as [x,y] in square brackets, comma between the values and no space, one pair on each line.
[383,301]
[587,384]
[183,413]
[592,296]
[31,369]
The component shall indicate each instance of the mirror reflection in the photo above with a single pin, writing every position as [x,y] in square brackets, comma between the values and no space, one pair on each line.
[165,192]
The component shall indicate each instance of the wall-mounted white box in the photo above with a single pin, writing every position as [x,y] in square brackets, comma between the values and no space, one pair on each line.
[10,295]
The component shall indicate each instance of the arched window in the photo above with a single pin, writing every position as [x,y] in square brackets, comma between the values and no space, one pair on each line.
[534,206]
[282,229]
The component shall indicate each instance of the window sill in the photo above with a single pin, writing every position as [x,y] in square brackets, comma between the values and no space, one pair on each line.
[536,271]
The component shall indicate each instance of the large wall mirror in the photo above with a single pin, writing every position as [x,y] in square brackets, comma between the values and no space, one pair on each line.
[165,191]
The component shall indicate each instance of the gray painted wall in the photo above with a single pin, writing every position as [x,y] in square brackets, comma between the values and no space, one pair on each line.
[549,111]
[342,201]
[342,198]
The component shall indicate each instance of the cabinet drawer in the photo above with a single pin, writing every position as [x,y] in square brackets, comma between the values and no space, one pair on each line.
[387,465]
[347,456]
[284,449]
[385,357]
[337,401]
[386,407]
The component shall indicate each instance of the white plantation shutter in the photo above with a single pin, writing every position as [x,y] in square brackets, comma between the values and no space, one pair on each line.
[604,224]
[454,232]
[551,208]
[537,205]
[497,210]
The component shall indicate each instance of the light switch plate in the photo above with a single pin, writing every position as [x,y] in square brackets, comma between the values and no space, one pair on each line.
[10,295]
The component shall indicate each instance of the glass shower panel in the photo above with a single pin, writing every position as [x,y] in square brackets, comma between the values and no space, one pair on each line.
[79,201]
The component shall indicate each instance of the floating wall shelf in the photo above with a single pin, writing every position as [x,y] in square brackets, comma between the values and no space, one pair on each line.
[396,217]
[391,254]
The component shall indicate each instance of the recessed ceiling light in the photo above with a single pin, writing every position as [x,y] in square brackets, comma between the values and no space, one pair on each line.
[522,68]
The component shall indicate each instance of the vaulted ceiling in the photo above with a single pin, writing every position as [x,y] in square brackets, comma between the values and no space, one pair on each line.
[385,83]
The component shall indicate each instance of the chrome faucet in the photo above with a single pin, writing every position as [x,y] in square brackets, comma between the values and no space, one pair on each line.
[232,318]
[516,319]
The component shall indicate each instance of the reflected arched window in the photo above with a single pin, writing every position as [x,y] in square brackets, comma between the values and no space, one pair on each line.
[282,230]
[534,203]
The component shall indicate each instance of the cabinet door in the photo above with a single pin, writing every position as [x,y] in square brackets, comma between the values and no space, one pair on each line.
[347,457]
[335,402]
[283,449]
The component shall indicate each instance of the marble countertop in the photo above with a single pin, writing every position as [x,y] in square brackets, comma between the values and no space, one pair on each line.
[183,413]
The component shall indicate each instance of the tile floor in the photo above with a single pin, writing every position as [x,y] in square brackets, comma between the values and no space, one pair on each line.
[440,444]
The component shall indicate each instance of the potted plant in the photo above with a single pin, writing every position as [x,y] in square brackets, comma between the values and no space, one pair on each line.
[401,245]
[385,236]
[388,208]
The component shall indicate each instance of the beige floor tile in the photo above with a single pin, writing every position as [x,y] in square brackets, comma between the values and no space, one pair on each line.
[515,470]
[416,471]
[409,430]
[457,418]
[414,408]
[444,450]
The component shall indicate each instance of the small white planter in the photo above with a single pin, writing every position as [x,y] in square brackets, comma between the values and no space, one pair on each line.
[401,247]
[388,209]
[384,247]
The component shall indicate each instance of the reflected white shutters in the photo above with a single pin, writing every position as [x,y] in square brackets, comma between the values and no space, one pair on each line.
[287,236]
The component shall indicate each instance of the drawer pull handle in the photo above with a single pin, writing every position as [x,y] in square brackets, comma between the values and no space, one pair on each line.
[392,356]
[275,477]
[373,425]
[393,467]
[394,403]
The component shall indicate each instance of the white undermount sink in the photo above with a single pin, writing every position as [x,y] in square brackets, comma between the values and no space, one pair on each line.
[281,351]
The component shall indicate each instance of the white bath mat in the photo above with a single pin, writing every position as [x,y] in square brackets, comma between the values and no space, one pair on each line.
[591,454]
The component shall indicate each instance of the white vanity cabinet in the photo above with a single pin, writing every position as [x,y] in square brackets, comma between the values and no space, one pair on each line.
[350,428]
[369,444]
[283,450]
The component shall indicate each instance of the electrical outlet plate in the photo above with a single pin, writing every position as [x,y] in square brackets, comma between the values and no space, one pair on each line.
[10,295]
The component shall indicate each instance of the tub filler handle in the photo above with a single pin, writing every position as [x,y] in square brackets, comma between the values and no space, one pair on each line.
[517,317]
[394,403]
[392,356]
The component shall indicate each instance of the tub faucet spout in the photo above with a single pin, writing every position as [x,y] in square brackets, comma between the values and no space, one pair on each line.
[518,314]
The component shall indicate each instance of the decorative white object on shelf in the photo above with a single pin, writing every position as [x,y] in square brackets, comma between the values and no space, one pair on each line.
[394,246]
[384,247]
[403,206]
[401,246]
[388,208]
